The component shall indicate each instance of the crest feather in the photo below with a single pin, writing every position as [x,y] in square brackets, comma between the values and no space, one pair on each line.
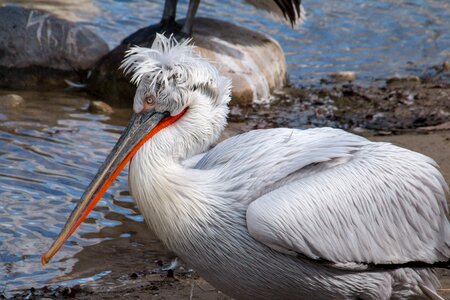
[165,51]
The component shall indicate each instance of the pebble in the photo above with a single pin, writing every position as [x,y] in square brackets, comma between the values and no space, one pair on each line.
[384,132]
[446,65]
[443,126]
[360,130]
[403,79]
[343,76]
[100,107]
[11,101]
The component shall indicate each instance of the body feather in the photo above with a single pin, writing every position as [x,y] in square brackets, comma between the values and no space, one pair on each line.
[283,213]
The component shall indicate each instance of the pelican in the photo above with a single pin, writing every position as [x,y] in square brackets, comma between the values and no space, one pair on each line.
[276,213]
[290,10]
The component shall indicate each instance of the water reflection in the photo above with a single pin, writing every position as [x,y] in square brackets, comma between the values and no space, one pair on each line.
[49,151]
[374,38]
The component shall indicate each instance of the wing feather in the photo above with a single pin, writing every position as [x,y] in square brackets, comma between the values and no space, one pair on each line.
[259,161]
[289,10]
[385,205]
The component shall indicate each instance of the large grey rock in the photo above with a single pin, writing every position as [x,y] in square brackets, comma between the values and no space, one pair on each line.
[38,49]
[253,61]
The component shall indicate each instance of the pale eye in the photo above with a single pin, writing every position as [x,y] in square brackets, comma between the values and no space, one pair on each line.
[150,100]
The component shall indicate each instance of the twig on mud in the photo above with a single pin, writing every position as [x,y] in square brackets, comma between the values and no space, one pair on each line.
[191,295]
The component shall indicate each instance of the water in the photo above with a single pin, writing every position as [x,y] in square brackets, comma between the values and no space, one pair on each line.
[49,151]
[51,148]
[374,38]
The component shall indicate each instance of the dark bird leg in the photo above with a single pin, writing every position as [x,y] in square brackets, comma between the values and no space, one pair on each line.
[189,22]
[167,25]
[170,11]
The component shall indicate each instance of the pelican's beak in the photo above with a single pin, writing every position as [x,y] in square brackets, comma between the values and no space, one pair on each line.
[140,129]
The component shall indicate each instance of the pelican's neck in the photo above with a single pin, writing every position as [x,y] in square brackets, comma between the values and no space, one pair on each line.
[168,194]
[192,134]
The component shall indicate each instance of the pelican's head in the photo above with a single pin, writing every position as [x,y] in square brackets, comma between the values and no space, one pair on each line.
[170,77]
[175,88]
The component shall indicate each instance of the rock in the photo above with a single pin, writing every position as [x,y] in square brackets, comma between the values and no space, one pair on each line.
[100,107]
[443,126]
[343,76]
[361,130]
[11,101]
[403,80]
[254,62]
[446,66]
[383,132]
[38,50]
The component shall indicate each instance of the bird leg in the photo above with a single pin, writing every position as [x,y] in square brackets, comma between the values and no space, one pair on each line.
[167,26]
[170,11]
[189,22]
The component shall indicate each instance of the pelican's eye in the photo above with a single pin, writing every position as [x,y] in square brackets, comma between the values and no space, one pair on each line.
[194,87]
[150,100]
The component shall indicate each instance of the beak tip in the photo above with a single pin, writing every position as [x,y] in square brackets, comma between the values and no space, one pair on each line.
[45,259]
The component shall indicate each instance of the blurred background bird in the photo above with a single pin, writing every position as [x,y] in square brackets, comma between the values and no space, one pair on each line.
[291,11]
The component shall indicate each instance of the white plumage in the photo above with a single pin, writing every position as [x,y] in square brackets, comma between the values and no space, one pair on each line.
[282,213]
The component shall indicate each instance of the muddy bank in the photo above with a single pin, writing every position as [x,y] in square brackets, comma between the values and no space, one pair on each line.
[397,107]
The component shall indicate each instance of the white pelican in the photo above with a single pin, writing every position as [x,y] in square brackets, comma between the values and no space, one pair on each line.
[290,10]
[277,213]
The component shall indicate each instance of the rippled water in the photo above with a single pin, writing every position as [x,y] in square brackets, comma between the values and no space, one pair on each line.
[374,38]
[49,151]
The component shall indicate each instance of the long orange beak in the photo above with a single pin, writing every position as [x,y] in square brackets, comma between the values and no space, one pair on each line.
[140,129]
